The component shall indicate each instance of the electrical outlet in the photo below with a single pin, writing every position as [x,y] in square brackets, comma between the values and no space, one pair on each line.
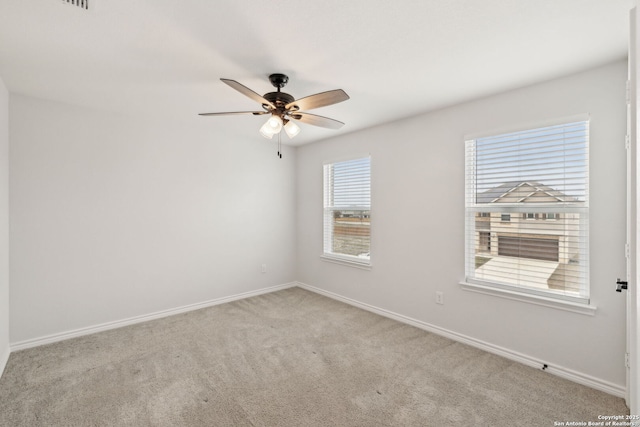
[264,268]
[439,298]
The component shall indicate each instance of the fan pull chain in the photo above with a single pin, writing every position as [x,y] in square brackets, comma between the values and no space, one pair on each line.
[279,145]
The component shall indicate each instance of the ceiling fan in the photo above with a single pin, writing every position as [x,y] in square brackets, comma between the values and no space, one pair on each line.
[284,109]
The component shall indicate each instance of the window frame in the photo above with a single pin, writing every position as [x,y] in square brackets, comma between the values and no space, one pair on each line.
[580,304]
[328,211]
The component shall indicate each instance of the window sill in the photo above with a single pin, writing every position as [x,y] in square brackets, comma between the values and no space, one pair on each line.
[531,299]
[347,262]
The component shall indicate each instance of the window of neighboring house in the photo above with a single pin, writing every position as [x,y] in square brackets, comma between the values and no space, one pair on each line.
[484,243]
[542,174]
[347,211]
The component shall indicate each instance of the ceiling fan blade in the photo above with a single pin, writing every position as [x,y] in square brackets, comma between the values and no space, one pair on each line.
[255,113]
[248,92]
[315,120]
[319,100]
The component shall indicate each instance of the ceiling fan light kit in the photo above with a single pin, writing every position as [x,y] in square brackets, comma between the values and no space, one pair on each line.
[284,108]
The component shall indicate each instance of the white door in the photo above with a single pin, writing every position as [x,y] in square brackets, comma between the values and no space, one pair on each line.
[632,295]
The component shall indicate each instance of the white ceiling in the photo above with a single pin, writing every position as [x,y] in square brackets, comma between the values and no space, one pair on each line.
[395,59]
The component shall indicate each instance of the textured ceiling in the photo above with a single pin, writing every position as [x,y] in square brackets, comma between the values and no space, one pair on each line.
[395,59]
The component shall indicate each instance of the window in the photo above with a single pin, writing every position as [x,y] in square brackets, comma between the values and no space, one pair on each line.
[347,211]
[485,241]
[535,184]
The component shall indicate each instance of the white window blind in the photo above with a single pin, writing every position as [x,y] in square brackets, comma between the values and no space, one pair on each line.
[347,210]
[527,206]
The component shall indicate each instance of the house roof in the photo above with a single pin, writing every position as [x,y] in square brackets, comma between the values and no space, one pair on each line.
[521,192]
[164,59]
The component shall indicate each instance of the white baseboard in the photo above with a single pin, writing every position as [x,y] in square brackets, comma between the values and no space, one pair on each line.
[559,371]
[4,358]
[35,342]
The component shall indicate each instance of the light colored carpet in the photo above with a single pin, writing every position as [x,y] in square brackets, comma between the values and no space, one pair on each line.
[290,358]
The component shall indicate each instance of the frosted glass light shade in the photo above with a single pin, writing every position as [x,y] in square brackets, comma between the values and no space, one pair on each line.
[265,131]
[271,127]
[291,129]
[275,124]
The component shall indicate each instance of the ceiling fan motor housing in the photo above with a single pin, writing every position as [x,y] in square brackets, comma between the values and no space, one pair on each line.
[279,99]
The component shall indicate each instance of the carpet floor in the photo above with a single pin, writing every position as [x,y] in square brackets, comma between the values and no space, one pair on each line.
[289,358]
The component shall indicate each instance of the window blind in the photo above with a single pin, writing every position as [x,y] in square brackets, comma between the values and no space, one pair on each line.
[527,196]
[347,210]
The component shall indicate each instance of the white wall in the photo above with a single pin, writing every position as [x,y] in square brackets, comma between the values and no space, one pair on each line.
[418,224]
[115,216]
[4,225]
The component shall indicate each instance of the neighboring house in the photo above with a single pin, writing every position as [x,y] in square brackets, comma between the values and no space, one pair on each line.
[536,234]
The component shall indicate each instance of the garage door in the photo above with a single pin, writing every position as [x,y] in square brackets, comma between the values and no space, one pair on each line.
[523,247]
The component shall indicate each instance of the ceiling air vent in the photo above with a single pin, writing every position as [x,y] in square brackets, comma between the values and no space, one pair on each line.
[80,3]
